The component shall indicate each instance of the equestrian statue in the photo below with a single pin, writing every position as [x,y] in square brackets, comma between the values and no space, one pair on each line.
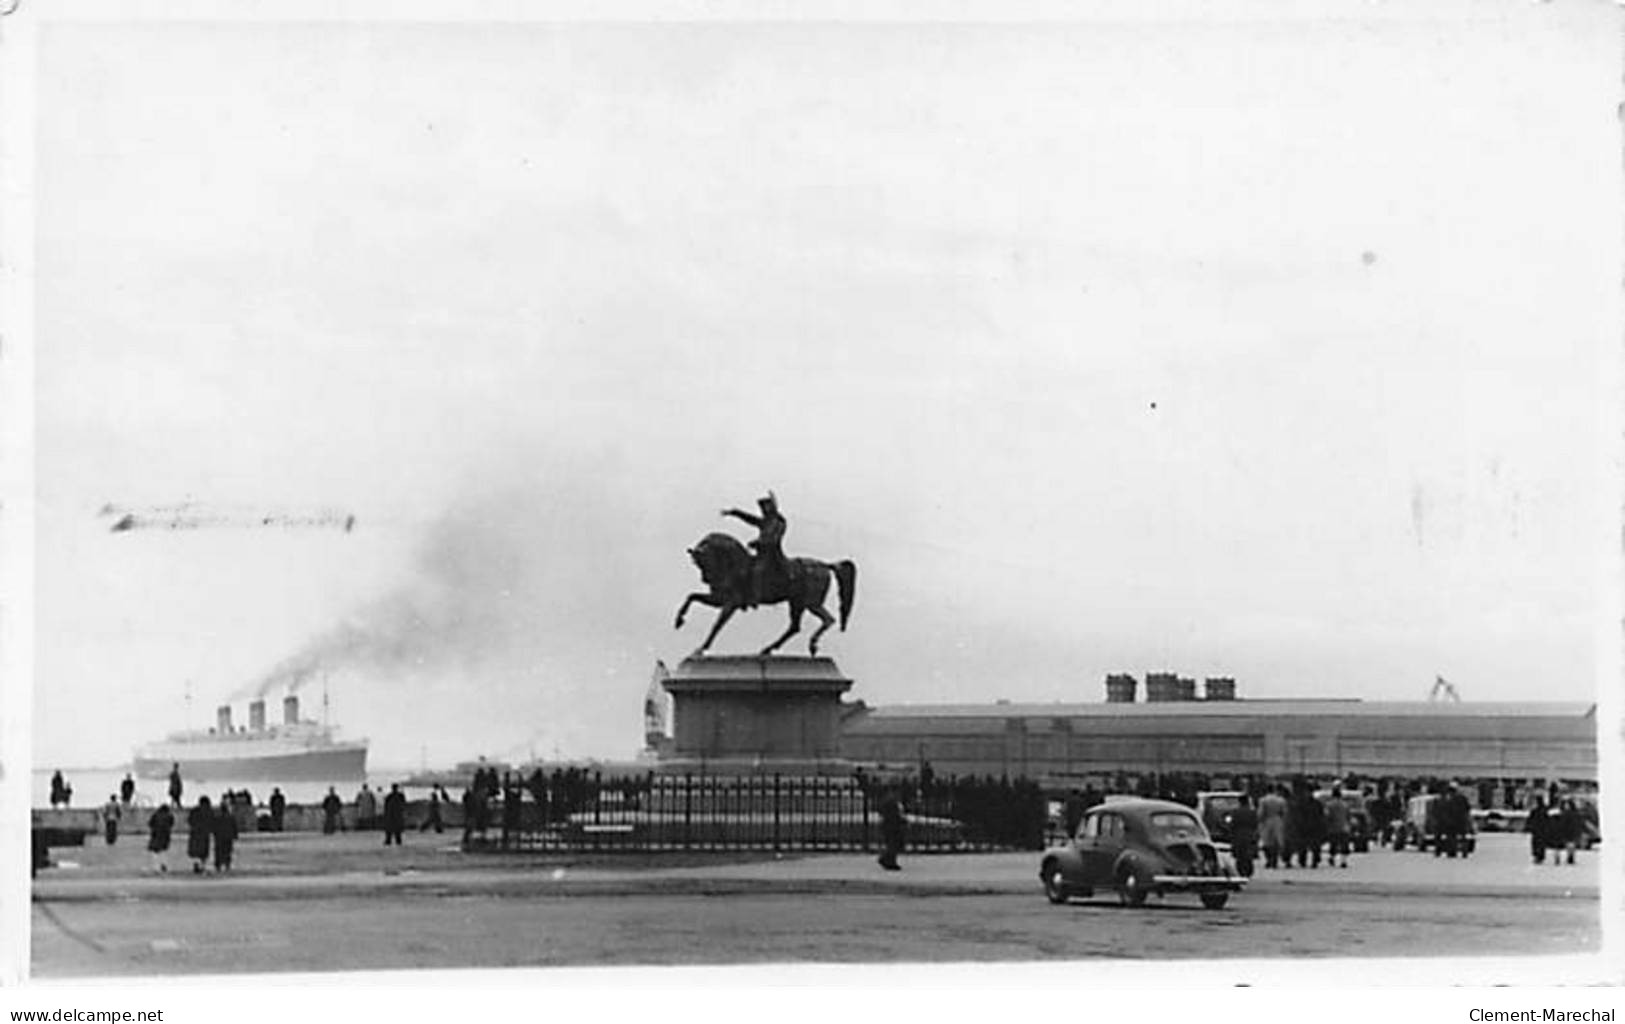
[740,579]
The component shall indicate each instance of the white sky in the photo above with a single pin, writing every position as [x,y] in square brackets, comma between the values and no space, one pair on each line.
[1269,350]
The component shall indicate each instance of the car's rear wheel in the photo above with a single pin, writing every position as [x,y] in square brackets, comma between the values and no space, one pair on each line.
[1130,888]
[1054,884]
[1215,900]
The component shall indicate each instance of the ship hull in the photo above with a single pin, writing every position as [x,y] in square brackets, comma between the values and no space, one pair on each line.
[338,763]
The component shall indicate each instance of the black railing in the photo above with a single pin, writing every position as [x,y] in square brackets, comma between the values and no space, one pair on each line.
[581,812]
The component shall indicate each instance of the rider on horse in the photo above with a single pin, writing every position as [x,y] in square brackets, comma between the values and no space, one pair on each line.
[769,572]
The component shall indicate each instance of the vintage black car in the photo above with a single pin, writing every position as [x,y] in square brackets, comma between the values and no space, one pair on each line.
[1136,848]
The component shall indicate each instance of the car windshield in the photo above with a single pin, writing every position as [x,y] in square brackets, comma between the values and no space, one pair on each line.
[1175,826]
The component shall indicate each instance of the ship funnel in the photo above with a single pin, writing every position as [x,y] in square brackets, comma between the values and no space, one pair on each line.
[222,718]
[290,710]
[256,716]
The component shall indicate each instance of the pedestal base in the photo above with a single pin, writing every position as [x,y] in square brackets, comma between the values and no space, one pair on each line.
[750,710]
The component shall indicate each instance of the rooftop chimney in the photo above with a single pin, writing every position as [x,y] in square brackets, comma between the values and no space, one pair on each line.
[1220,688]
[1187,689]
[256,715]
[222,718]
[1120,688]
[1161,687]
[290,710]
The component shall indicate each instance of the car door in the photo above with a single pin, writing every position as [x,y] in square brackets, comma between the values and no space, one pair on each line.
[1105,845]
[1083,843]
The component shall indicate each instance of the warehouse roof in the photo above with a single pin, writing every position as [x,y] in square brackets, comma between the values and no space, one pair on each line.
[1244,708]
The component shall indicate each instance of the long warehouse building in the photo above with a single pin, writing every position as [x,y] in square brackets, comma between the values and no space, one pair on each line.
[1525,742]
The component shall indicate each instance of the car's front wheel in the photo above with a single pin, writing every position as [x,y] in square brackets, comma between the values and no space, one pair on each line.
[1215,900]
[1054,884]
[1131,888]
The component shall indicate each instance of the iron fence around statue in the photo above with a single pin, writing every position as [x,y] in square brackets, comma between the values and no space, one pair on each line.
[651,813]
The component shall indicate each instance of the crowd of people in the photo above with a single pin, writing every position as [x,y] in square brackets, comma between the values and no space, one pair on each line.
[1298,822]
[1555,824]
[211,828]
[1303,822]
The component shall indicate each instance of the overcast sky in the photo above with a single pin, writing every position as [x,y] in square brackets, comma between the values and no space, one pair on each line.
[1268,350]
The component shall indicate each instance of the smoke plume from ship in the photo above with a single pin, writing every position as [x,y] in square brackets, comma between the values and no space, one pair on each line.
[526,585]
[454,610]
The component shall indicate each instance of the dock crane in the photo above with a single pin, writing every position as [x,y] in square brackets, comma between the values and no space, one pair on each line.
[1443,690]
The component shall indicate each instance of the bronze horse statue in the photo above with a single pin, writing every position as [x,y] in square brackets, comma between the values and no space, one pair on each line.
[725,566]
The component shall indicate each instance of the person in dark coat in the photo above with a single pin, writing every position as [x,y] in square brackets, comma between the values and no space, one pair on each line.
[111,812]
[1455,822]
[1571,828]
[332,807]
[199,829]
[175,784]
[225,837]
[1308,826]
[892,827]
[512,808]
[1539,827]
[1244,835]
[126,789]
[394,815]
[1072,813]
[279,808]
[159,826]
[471,797]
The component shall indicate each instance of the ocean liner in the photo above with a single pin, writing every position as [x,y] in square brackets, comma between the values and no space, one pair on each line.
[293,751]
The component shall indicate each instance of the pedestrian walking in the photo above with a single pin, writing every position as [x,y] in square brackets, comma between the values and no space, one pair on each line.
[892,828]
[1272,812]
[175,786]
[433,818]
[279,808]
[394,815]
[1308,826]
[1244,835]
[1337,829]
[159,825]
[332,807]
[1571,827]
[366,809]
[471,797]
[126,790]
[225,837]
[1539,827]
[1072,813]
[110,817]
[1455,818]
[199,831]
[512,811]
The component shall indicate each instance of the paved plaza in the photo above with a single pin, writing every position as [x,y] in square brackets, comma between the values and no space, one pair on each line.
[344,902]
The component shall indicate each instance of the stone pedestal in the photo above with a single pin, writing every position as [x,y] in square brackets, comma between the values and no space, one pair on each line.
[767,714]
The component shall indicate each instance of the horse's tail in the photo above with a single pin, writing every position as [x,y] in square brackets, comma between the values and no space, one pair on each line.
[846,579]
